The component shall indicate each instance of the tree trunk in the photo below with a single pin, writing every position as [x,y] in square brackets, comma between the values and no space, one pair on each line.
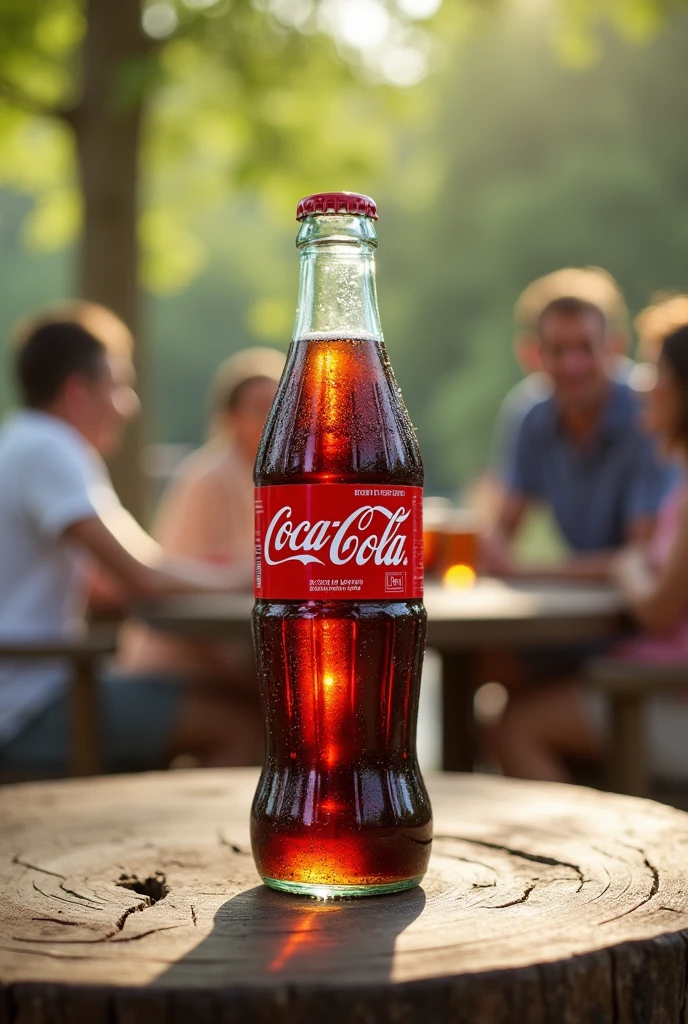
[108,128]
[135,899]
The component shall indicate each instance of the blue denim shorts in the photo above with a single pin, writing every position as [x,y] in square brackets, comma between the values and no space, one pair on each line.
[137,716]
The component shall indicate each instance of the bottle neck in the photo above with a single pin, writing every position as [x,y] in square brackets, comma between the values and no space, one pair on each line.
[337,294]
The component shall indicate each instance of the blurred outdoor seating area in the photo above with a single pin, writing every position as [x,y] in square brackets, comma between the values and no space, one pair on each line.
[534,297]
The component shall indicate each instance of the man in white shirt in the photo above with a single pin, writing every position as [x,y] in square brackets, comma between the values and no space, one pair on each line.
[60,520]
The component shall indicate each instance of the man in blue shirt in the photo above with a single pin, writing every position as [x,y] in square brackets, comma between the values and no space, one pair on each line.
[581,450]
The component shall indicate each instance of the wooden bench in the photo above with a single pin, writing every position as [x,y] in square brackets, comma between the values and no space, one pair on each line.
[83,653]
[628,687]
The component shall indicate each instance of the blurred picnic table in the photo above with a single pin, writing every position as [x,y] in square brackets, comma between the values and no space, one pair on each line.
[82,654]
[462,623]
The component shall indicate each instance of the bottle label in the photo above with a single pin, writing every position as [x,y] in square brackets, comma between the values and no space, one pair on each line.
[339,541]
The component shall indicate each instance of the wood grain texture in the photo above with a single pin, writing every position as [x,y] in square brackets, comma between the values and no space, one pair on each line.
[544,904]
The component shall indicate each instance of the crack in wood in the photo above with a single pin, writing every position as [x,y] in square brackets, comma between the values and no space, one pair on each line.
[154,888]
[606,888]
[544,963]
[477,863]
[534,857]
[651,868]
[143,935]
[654,889]
[122,920]
[54,896]
[57,920]
[223,841]
[470,860]
[128,882]
[655,878]
[119,925]
[513,903]
[88,899]
[35,867]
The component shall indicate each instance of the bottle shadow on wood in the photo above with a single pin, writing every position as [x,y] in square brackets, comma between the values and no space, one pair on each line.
[270,953]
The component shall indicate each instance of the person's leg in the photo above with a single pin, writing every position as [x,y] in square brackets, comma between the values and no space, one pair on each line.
[509,668]
[145,723]
[41,748]
[148,722]
[666,730]
[217,730]
[520,670]
[541,728]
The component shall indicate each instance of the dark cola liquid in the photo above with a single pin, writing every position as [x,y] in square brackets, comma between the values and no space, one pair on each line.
[341,802]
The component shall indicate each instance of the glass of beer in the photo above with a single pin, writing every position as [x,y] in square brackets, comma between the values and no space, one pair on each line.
[435,512]
[459,549]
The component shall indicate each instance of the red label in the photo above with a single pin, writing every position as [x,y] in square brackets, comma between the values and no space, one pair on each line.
[348,541]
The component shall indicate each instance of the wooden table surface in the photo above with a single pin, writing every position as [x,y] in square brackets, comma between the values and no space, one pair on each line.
[544,904]
[493,614]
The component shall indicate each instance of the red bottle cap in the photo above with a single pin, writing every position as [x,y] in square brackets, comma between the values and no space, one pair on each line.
[336,202]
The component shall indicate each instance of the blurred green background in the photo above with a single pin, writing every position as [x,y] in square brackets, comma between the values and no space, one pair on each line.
[501,141]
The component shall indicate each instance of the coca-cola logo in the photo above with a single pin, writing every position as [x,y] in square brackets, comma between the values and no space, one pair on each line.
[350,540]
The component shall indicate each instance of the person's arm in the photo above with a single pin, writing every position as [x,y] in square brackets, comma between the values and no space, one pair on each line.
[590,568]
[596,566]
[150,574]
[651,478]
[499,559]
[640,530]
[188,521]
[521,487]
[59,495]
[657,600]
[496,552]
[647,487]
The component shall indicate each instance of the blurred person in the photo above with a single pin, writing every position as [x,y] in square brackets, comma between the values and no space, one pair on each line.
[542,728]
[580,451]
[207,512]
[666,314]
[590,284]
[60,520]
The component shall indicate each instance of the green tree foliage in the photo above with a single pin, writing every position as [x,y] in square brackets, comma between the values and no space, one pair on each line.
[525,166]
[509,163]
[237,95]
[546,166]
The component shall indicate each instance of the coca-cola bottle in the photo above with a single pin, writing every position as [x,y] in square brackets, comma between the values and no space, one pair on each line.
[339,624]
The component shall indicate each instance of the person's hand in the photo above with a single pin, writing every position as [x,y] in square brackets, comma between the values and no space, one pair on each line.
[616,563]
[627,566]
[236,576]
[190,575]
[496,556]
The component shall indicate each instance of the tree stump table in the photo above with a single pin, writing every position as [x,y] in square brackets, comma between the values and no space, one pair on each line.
[134,900]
